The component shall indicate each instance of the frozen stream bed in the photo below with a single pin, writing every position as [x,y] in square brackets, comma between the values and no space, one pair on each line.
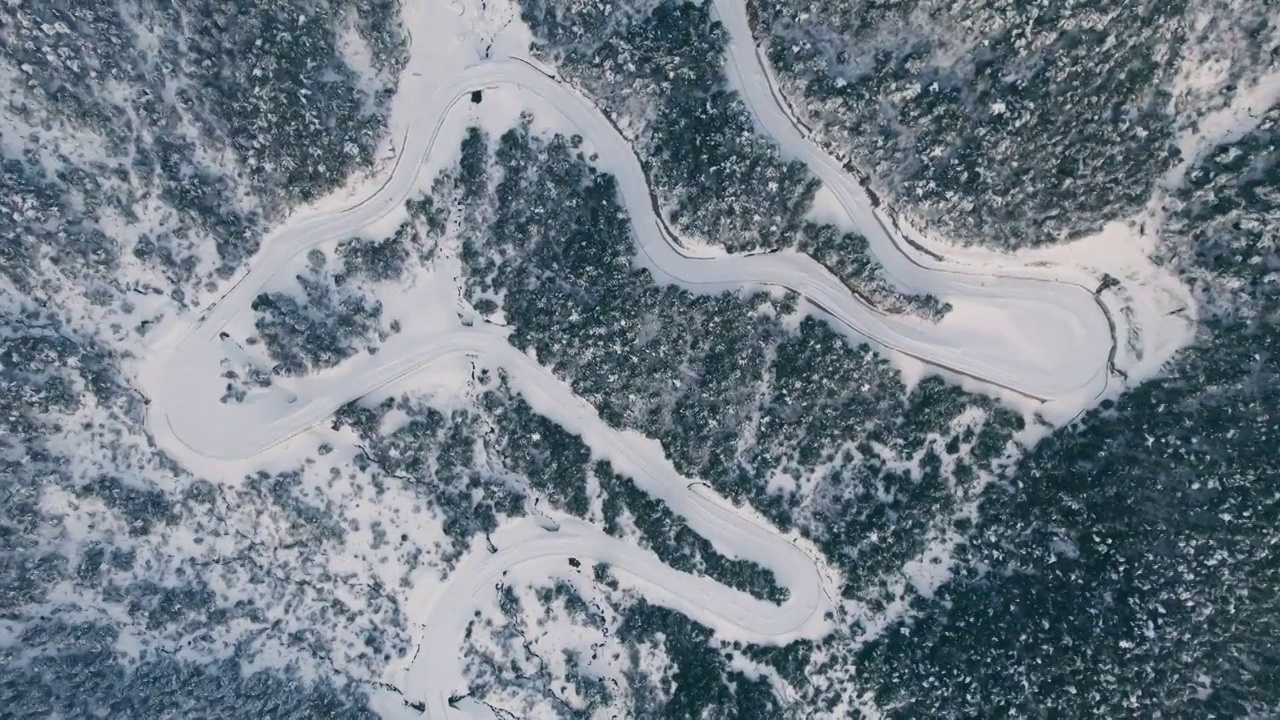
[1034,330]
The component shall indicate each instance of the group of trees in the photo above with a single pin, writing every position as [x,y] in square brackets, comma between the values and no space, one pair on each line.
[82,674]
[146,147]
[662,531]
[442,458]
[660,69]
[71,598]
[1129,564]
[328,324]
[848,256]
[703,681]
[1005,124]
[39,225]
[337,315]
[197,121]
[46,377]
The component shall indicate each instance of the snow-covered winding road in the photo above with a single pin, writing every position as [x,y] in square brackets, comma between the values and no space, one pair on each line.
[1042,339]
[1038,337]
[188,417]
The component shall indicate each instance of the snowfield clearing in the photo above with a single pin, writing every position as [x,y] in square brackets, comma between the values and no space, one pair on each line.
[1034,330]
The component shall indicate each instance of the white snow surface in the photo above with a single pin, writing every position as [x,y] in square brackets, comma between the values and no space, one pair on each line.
[1028,328]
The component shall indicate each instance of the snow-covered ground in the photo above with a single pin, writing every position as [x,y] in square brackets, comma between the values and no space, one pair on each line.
[1032,328]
